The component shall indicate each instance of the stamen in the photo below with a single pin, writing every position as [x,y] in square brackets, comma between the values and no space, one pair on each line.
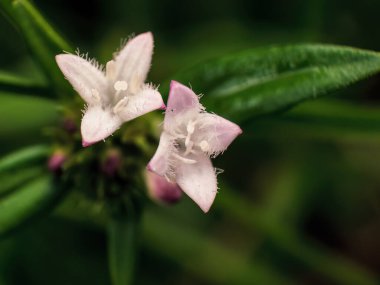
[135,83]
[190,127]
[189,147]
[120,86]
[204,146]
[174,134]
[190,130]
[111,70]
[95,94]
[183,159]
[188,141]
[121,104]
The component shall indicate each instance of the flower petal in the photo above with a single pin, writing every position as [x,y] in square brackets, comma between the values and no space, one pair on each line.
[217,132]
[86,79]
[133,61]
[98,124]
[160,162]
[161,190]
[145,101]
[198,181]
[181,98]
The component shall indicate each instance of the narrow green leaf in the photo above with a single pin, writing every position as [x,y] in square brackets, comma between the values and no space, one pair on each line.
[40,37]
[23,156]
[122,230]
[17,179]
[322,119]
[24,86]
[45,28]
[28,202]
[13,109]
[268,80]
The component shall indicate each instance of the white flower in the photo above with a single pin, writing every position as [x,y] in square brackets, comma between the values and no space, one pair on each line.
[190,136]
[116,95]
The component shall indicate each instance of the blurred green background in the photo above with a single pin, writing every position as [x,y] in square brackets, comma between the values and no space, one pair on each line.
[299,202]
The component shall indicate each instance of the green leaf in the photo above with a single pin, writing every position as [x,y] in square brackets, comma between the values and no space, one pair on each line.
[23,129]
[40,37]
[17,179]
[16,84]
[323,119]
[28,202]
[23,156]
[122,230]
[267,80]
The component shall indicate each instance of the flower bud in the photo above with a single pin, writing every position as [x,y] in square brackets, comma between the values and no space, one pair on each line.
[111,163]
[56,161]
[69,125]
[161,190]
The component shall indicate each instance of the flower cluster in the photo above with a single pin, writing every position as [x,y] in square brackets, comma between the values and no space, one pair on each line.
[190,135]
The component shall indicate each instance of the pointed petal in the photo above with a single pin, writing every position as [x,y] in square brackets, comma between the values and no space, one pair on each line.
[133,61]
[181,99]
[86,79]
[198,181]
[161,190]
[217,132]
[98,124]
[160,162]
[145,101]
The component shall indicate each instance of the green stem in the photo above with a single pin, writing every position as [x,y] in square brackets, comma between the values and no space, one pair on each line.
[122,245]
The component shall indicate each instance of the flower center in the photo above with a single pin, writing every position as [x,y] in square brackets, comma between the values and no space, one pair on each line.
[186,142]
[120,86]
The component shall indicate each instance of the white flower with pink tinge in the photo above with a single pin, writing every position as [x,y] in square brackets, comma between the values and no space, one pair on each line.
[116,95]
[189,138]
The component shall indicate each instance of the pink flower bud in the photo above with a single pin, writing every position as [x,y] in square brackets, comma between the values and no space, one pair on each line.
[111,163]
[161,190]
[56,161]
[69,125]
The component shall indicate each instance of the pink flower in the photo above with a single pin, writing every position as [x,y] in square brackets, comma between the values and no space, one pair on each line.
[116,95]
[190,137]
